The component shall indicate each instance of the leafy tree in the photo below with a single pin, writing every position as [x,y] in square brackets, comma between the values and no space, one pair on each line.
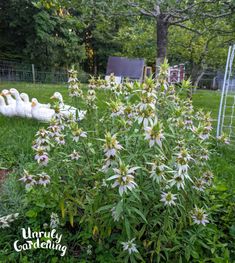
[44,35]
[182,14]
[56,41]
[16,25]
[58,33]
[200,51]
[137,40]
[101,25]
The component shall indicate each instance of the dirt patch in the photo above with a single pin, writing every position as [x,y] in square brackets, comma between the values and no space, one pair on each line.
[3,174]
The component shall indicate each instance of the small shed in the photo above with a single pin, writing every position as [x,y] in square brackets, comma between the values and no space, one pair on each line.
[126,68]
[176,73]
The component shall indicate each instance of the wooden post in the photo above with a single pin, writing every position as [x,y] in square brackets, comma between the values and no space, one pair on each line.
[33,73]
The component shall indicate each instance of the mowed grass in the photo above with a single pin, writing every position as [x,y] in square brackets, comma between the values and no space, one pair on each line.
[17,134]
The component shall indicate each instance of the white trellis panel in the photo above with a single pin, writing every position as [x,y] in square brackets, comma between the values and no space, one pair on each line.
[226,117]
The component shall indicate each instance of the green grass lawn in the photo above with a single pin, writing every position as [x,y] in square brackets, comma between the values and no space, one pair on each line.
[17,134]
[207,100]
[223,162]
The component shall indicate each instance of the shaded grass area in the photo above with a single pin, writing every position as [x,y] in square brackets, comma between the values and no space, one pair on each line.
[223,161]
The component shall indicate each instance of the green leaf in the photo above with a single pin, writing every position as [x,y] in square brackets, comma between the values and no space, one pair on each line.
[158,249]
[140,214]
[31,214]
[104,208]
[62,208]
[141,232]
[187,253]
[119,208]
[127,227]
[71,218]
[221,188]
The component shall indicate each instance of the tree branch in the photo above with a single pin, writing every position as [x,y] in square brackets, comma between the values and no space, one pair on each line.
[180,11]
[179,21]
[155,13]
[208,15]
[188,28]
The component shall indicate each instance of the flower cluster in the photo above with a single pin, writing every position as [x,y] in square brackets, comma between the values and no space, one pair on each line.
[74,85]
[204,128]
[6,220]
[199,216]
[74,155]
[130,246]
[54,222]
[117,108]
[112,82]
[159,169]
[200,184]
[102,83]
[168,198]
[224,138]
[89,250]
[31,180]
[77,133]
[111,149]
[154,133]
[41,146]
[111,146]
[45,139]
[90,99]
[124,178]
[92,83]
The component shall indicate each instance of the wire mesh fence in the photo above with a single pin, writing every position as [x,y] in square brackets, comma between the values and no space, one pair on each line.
[15,71]
[212,79]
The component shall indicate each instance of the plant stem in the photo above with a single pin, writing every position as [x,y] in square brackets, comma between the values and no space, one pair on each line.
[87,157]
[137,138]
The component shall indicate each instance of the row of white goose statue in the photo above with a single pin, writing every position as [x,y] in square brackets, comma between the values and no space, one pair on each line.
[16,104]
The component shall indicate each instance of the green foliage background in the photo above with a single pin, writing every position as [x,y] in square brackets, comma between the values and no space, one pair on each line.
[55,34]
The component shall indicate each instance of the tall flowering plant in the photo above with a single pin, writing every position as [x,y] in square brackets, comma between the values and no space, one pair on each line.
[132,175]
[74,85]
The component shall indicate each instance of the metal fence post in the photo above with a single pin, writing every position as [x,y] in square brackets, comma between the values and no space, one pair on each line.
[33,73]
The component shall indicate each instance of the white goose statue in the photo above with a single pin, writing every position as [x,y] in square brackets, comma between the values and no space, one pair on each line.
[66,110]
[25,98]
[6,93]
[7,110]
[40,113]
[22,109]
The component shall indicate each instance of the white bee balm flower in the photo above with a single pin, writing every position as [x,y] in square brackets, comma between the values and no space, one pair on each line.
[168,198]
[124,178]
[199,216]
[130,246]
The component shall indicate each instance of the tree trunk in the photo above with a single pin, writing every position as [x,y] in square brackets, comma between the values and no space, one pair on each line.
[199,78]
[162,39]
